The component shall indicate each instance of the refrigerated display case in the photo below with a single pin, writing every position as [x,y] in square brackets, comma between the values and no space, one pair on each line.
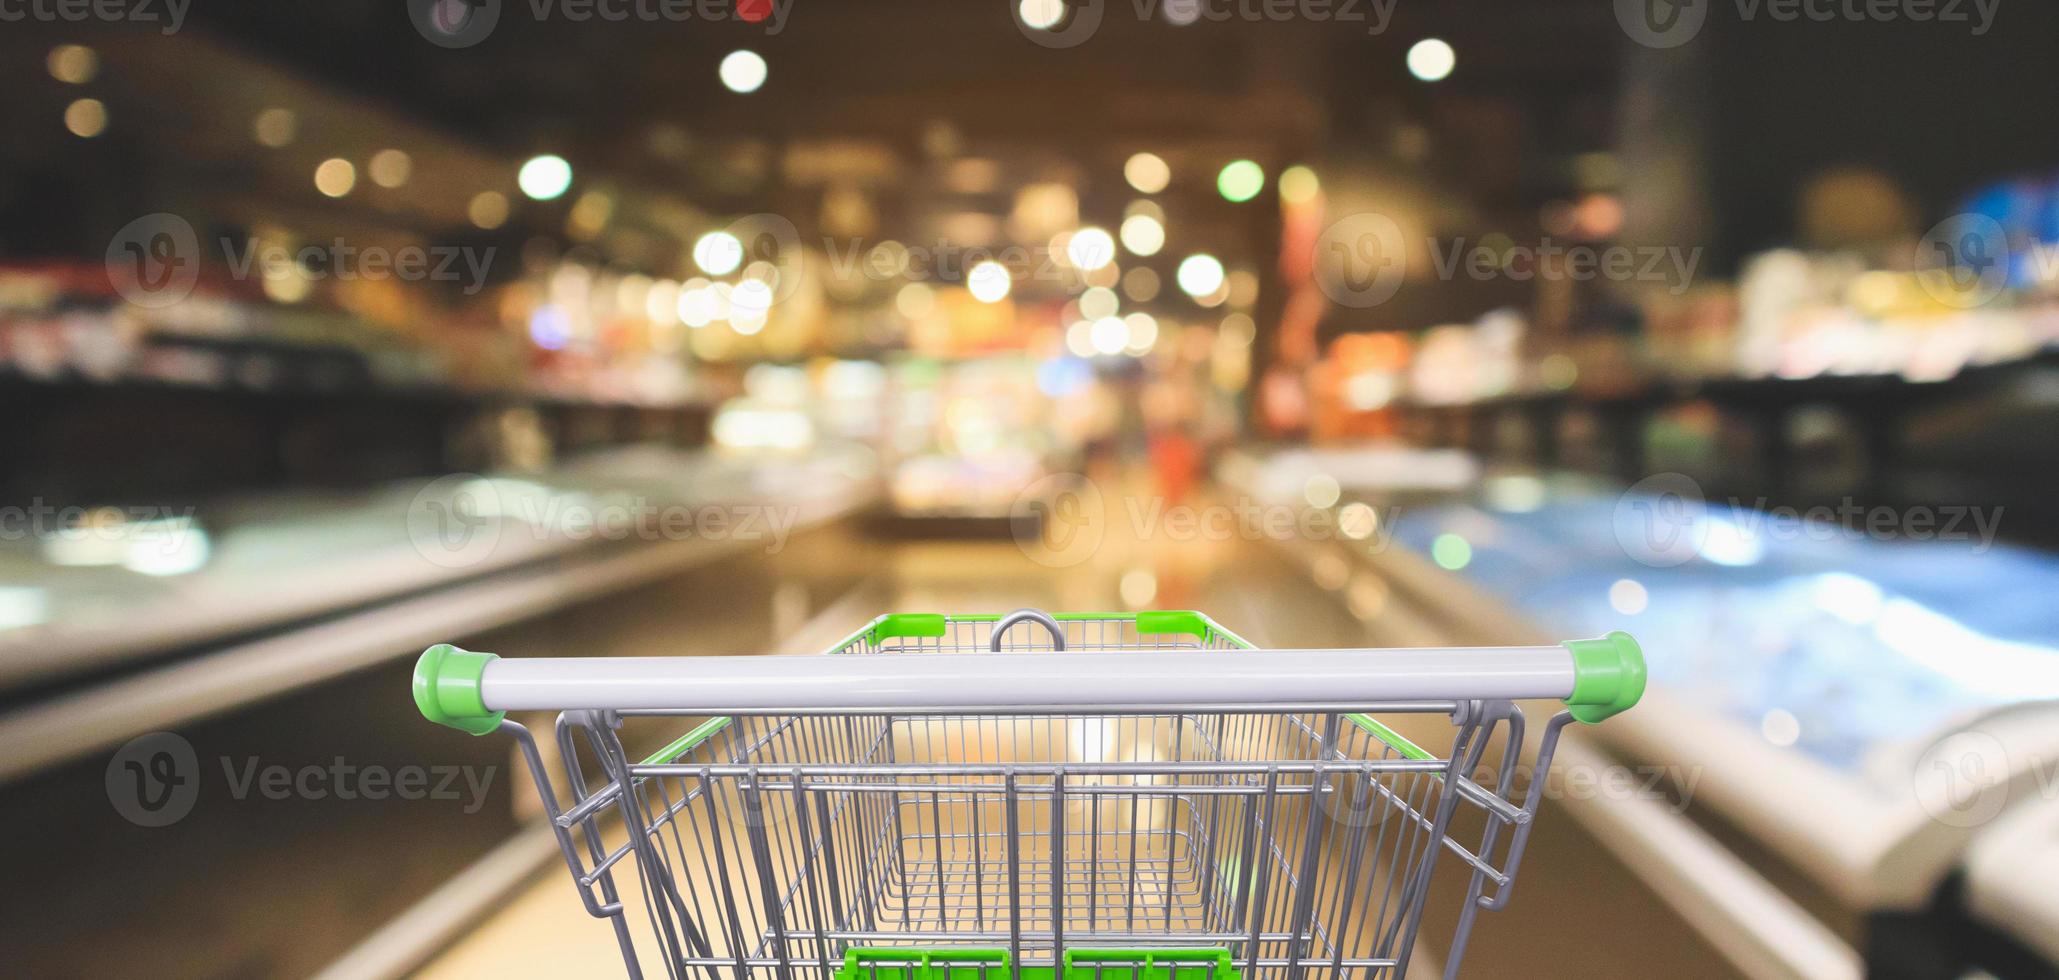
[1861,707]
[1356,499]
[111,584]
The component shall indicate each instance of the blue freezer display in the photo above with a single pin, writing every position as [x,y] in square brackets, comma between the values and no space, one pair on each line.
[1827,639]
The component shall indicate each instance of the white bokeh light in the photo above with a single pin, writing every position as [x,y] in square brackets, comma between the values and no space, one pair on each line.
[1090,248]
[718,253]
[1628,596]
[1200,274]
[1147,172]
[545,177]
[1431,59]
[989,282]
[1041,14]
[1142,234]
[743,71]
[1097,302]
[1110,335]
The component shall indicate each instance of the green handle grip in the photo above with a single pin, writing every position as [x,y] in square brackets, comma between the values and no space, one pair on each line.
[447,689]
[1608,677]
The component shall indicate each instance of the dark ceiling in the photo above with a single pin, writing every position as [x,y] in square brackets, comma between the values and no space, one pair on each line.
[880,70]
[857,94]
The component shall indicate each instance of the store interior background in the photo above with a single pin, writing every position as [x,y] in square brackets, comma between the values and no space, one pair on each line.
[1250,265]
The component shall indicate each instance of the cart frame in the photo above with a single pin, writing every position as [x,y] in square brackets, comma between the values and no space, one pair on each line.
[1017,795]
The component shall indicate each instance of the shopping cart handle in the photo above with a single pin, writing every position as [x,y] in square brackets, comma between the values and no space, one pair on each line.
[1608,677]
[468,691]
[448,689]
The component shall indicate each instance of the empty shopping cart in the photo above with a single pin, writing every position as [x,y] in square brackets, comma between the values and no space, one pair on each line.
[1032,797]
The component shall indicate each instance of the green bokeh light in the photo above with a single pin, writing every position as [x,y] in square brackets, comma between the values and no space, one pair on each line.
[1451,552]
[1240,181]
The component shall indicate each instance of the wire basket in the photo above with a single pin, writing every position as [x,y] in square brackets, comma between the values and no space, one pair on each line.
[884,828]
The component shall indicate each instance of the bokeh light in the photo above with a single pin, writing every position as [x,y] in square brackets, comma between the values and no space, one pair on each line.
[1147,172]
[1240,181]
[1090,248]
[915,301]
[989,281]
[275,127]
[1110,335]
[1141,284]
[390,168]
[488,210]
[1298,185]
[718,253]
[1042,15]
[1142,234]
[1143,330]
[86,118]
[1431,60]
[1200,275]
[74,64]
[545,177]
[1451,552]
[743,71]
[1098,302]
[335,177]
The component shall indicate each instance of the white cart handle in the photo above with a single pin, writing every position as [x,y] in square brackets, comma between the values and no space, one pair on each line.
[1598,678]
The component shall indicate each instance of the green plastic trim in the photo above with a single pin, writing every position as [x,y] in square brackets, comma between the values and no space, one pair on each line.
[1145,963]
[896,625]
[688,742]
[903,963]
[1152,622]
[1608,677]
[920,964]
[447,689]
[1063,617]
[1217,631]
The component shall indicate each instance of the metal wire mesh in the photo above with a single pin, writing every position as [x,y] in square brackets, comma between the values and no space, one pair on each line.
[1297,842]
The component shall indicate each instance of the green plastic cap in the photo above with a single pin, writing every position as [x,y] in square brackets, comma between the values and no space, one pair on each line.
[1608,677]
[447,689]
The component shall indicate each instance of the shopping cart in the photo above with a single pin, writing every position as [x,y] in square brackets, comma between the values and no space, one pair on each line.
[1114,796]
